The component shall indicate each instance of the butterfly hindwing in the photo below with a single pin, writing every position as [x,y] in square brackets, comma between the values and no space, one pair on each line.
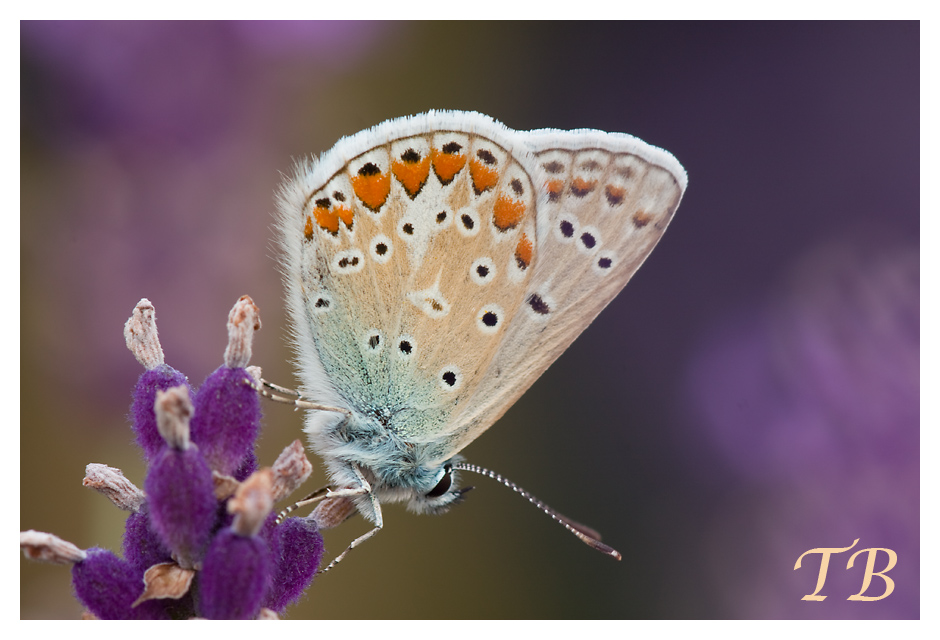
[604,202]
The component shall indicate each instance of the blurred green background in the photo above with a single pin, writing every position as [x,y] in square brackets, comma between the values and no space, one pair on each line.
[752,394]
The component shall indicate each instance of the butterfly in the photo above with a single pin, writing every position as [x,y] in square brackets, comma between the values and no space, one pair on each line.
[435,266]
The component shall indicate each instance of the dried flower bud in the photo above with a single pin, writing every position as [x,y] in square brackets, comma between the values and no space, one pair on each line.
[111,483]
[291,469]
[243,321]
[225,486]
[252,503]
[174,410]
[46,547]
[333,512]
[140,335]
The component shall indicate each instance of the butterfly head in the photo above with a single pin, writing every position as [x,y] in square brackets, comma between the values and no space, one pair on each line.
[430,489]
[443,494]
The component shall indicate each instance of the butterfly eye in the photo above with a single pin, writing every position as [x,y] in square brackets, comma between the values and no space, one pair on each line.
[443,486]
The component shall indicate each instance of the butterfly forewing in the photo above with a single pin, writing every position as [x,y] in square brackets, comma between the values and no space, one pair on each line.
[415,256]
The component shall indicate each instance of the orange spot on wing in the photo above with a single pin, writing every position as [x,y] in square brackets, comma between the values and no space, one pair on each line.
[614,194]
[412,175]
[308,228]
[372,190]
[524,252]
[345,214]
[447,165]
[581,187]
[641,219]
[507,213]
[326,219]
[483,177]
[555,188]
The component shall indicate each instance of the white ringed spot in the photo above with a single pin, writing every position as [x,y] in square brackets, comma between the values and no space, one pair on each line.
[490,318]
[381,248]
[450,379]
[483,270]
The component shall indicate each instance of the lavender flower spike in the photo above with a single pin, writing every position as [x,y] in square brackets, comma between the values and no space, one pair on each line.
[228,408]
[179,486]
[200,541]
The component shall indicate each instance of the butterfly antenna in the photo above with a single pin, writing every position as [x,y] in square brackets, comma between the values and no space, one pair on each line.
[587,535]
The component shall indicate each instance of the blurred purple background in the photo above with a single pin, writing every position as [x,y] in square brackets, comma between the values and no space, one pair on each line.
[751,395]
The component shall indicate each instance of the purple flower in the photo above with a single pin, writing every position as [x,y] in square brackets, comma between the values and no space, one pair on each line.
[249,466]
[227,419]
[296,547]
[109,586]
[140,335]
[142,547]
[144,419]
[196,524]
[236,575]
[228,409]
[179,485]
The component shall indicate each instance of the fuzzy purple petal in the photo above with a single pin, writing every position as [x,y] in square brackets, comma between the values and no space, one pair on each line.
[296,547]
[248,466]
[142,546]
[235,577]
[142,413]
[107,586]
[227,418]
[181,498]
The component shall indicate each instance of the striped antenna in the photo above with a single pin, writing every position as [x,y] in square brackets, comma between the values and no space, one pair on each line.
[588,536]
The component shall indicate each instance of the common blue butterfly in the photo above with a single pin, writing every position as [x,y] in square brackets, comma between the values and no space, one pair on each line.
[435,265]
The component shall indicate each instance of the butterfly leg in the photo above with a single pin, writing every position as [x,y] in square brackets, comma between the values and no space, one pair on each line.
[364,489]
[316,496]
[268,390]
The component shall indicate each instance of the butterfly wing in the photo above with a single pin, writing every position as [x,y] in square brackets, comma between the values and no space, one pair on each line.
[604,201]
[436,265]
[407,251]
